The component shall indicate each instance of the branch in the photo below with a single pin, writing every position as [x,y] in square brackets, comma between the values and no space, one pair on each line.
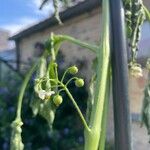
[23,87]
[78,109]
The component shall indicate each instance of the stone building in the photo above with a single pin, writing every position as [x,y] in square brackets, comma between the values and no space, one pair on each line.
[4,35]
[83,22]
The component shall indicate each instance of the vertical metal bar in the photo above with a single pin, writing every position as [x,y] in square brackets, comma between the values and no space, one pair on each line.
[120,77]
[17,55]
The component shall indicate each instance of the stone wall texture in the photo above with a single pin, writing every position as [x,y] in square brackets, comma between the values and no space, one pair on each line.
[3,40]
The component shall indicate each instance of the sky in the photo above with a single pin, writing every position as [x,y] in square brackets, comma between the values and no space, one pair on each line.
[16,15]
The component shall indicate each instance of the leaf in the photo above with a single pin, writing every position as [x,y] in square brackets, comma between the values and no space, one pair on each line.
[35,105]
[16,140]
[45,109]
[42,68]
[90,101]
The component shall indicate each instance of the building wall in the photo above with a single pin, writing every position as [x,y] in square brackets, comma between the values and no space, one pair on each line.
[86,27]
[4,35]
[147,3]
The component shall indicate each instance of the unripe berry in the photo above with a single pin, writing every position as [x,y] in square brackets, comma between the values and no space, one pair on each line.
[79,82]
[57,100]
[73,70]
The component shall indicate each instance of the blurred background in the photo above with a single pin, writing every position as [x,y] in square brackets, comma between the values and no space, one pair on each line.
[23,31]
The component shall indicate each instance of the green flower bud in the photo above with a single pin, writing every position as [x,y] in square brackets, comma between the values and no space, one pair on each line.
[73,70]
[57,100]
[79,82]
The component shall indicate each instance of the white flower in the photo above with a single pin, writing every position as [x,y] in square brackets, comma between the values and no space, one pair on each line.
[45,94]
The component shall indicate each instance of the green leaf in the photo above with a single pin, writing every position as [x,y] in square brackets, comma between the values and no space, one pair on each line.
[41,72]
[16,140]
[47,111]
[35,105]
[45,108]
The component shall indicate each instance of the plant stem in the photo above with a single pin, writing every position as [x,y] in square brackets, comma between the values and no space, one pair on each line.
[74,78]
[53,55]
[93,48]
[23,87]
[147,12]
[77,108]
[66,71]
[92,138]
[105,114]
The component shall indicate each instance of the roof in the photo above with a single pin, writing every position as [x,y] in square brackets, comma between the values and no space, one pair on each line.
[81,8]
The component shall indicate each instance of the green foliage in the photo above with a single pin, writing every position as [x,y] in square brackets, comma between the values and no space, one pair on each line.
[36,134]
[49,84]
[16,139]
[135,15]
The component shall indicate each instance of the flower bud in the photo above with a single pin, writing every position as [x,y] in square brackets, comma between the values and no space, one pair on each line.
[79,82]
[73,70]
[58,100]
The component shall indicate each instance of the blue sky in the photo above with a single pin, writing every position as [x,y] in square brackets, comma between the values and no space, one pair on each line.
[15,15]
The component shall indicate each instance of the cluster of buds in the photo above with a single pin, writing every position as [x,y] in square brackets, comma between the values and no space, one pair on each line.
[53,86]
[48,87]
[79,82]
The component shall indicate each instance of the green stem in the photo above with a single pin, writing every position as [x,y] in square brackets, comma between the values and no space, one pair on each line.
[56,13]
[66,71]
[102,140]
[92,138]
[133,40]
[77,108]
[93,48]
[74,78]
[23,87]
[147,12]
[53,55]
